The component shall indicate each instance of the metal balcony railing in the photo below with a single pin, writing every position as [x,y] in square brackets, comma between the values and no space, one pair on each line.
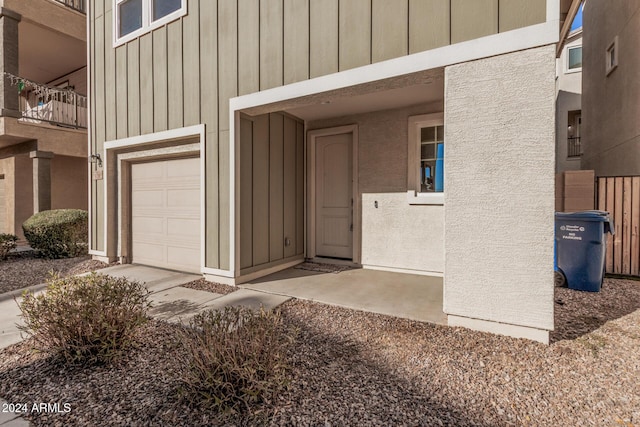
[77,5]
[39,103]
[574,149]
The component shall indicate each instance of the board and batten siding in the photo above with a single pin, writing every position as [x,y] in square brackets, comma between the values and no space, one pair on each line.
[185,72]
[271,190]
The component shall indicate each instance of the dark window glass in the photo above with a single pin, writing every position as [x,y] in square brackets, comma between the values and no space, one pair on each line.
[162,8]
[130,16]
[575,58]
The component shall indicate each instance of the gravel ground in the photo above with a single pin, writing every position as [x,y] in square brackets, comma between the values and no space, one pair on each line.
[204,285]
[25,269]
[355,368]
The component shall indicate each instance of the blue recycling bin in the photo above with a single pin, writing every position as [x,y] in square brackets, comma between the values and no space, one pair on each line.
[580,248]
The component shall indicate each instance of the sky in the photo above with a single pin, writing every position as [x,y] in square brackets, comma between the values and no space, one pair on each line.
[577,22]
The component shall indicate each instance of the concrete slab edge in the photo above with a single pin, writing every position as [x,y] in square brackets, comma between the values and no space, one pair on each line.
[18,292]
[10,419]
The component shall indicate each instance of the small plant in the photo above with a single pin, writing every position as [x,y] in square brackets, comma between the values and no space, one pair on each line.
[85,320]
[59,233]
[233,359]
[7,243]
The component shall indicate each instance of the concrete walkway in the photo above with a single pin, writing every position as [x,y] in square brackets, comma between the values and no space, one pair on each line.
[173,303]
[11,419]
[409,296]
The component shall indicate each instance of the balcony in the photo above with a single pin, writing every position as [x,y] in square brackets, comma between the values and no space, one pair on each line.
[574,149]
[43,104]
[77,5]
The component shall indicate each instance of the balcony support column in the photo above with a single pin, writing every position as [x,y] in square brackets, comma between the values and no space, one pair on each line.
[41,180]
[8,62]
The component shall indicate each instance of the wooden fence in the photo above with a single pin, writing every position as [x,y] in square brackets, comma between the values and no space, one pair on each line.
[620,196]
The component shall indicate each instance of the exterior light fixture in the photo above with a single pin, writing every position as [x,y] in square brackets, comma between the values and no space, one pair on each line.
[95,158]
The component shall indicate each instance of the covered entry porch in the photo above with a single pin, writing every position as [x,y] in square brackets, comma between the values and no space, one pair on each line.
[410,296]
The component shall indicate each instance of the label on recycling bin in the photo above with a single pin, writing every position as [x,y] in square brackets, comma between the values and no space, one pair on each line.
[571,232]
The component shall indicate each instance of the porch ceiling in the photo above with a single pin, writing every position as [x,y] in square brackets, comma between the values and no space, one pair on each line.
[45,55]
[402,91]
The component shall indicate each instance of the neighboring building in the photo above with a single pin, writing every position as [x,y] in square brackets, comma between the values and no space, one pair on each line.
[239,137]
[611,87]
[569,104]
[43,111]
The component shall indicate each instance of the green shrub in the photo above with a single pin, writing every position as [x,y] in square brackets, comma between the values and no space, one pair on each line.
[7,243]
[233,359]
[85,320]
[59,233]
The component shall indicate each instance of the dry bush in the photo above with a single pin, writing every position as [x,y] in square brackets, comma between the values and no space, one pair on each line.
[85,320]
[234,359]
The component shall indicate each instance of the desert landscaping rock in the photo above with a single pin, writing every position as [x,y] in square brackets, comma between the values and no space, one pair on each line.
[355,368]
[216,288]
[25,269]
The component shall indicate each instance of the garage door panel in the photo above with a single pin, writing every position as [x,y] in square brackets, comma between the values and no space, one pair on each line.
[146,198]
[165,210]
[184,197]
[143,225]
[149,251]
[146,171]
[183,168]
[177,255]
[183,227]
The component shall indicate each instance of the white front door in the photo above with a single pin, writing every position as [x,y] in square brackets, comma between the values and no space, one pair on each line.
[334,198]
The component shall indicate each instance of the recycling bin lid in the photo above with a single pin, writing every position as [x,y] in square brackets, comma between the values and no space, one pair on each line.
[592,215]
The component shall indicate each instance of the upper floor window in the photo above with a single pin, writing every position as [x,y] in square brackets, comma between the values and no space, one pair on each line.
[425,174]
[574,58]
[135,17]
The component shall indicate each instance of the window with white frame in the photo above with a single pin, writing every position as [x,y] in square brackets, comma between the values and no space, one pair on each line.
[135,17]
[425,174]
[574,59]
[612,56]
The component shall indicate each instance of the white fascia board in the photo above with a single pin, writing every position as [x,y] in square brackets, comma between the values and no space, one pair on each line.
[495,44]
[196,130]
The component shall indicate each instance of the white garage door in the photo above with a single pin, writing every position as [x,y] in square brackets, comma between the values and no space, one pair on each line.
[165,214]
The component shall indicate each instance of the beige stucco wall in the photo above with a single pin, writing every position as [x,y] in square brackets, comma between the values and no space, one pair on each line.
[610,104]
[499,180]
[395,234]
[23,196]
[68,187]
[6,208]
[52,14]
[399,235]
[69,183]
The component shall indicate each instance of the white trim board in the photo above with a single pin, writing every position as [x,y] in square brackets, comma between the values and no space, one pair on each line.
[152,138]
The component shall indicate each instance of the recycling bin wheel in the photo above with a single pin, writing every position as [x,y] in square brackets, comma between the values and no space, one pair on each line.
[559,279]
